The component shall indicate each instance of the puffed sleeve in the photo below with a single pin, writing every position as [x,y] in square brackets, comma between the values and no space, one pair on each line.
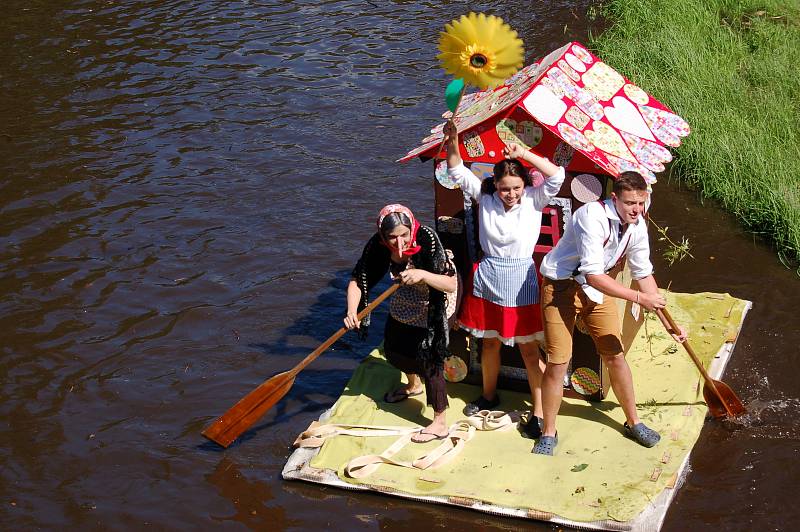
[547,190]
[469,182]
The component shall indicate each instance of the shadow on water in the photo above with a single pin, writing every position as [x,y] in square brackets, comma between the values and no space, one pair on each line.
[323,319]
[316,389]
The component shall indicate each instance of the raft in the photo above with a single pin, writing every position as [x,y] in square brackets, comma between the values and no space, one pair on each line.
[578,111]
[597,480]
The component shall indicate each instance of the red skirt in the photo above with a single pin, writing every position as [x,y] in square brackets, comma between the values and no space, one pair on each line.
[511,325]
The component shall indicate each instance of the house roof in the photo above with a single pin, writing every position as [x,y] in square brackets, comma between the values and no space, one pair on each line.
[578,98]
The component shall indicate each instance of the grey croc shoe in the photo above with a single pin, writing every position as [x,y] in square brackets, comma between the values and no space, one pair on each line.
[643,434]
[546,445]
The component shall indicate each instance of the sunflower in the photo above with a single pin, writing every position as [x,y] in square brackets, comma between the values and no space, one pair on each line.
[481,49]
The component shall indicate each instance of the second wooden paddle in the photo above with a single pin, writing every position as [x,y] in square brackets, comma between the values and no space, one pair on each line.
[721,400]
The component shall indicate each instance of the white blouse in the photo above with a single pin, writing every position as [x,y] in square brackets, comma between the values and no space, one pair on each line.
[512,233]
[592,244]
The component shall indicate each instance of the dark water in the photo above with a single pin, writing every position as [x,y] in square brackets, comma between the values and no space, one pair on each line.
[185,186]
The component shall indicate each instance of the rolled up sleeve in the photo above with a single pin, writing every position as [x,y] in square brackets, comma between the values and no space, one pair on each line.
[639,254]
[547,190]
[589,237]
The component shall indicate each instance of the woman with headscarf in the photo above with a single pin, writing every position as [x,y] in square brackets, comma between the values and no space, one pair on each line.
[416,334]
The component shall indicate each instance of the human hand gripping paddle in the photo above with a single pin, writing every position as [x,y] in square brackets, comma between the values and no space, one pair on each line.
[252,406]
[721,400]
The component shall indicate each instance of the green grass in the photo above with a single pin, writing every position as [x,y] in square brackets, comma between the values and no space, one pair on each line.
[730,68]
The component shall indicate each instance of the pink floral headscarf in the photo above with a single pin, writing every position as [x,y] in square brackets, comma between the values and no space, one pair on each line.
[396,207]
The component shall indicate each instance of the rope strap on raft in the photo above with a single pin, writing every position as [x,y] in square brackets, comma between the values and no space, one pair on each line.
[458,435]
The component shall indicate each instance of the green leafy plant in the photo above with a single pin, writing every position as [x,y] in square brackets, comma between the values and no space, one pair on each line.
[675,252]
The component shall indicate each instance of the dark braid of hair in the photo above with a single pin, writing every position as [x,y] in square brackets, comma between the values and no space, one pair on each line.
[432,257]
[369,270]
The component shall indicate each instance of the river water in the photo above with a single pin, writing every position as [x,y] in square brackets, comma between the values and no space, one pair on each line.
[184,188]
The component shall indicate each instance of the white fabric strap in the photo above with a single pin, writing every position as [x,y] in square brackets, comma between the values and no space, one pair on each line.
[458,435]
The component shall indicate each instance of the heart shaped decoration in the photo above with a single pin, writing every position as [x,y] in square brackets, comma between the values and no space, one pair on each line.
[575,138]
[623,115]
[668,127]
[650,154]
[607,139]
[621,165]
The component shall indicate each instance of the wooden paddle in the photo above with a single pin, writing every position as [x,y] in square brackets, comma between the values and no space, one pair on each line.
[252,406]
[721,400]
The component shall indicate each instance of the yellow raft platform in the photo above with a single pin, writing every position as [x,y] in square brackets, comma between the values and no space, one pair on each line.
[598,478]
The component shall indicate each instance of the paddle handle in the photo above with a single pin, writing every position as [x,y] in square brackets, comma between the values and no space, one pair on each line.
[665,315]
[453,117]
[338,334]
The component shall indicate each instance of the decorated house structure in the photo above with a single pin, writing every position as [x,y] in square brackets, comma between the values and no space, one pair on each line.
[582,114]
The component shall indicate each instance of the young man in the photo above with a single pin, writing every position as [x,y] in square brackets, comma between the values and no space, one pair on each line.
[577,282]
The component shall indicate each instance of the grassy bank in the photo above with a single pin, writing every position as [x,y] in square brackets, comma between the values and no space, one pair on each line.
[730,68]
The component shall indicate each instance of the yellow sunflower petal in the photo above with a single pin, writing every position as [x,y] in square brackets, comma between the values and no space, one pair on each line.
[481,49]
[493,28]
[449,43]
[466,28]
[511,56]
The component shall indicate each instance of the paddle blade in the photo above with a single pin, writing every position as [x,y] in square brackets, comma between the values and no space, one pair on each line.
[724,405]
[249,409]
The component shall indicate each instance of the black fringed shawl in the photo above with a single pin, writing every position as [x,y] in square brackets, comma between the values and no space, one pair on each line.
[373,265]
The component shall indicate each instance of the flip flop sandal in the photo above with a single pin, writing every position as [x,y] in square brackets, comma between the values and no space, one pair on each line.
[546,445]
[532,429]
[395,396]
[643,434]
[434,436]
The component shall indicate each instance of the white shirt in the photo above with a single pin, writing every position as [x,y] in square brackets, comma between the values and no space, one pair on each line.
[512,233]
[581,247]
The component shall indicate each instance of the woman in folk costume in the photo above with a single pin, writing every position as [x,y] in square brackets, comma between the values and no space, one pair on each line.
[416,334]
[502,307]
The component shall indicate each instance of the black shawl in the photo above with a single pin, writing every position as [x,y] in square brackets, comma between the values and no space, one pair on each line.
[375,262]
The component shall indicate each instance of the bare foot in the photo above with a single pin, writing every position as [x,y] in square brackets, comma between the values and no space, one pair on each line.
[401,394]
[435,431]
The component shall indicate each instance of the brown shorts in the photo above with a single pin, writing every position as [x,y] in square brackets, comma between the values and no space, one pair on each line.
[562,302]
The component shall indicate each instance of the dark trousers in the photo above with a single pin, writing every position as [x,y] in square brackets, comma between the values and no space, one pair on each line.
[400,346]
